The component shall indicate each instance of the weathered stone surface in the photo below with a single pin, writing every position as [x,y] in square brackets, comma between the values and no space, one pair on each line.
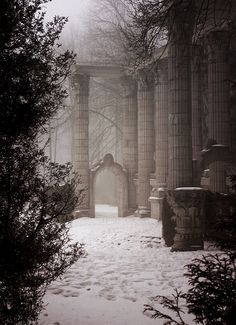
[130,136]
[197,111]
[80,139]
[218,103]
[145,140]
[179,82]
[218,87]
[161,123]
[188,207]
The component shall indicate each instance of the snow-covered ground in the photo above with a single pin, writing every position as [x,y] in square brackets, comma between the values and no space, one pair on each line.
[126,265]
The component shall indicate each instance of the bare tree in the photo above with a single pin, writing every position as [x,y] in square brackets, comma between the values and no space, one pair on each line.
[152,23]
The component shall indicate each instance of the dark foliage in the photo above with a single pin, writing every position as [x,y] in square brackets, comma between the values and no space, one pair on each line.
[168,224]
[35,195]
[212,296]
[218,209]
[34,244]
[212,279]
[32,70]
[172,304]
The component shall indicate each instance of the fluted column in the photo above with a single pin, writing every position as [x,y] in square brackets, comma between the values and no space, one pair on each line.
[179,80]
[218,87]
[196,113]
[218,103]
[80,142]
[145,140]
[130,137]
[161,139]
[161,123]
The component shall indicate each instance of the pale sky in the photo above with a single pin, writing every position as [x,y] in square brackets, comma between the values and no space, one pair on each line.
[74,9]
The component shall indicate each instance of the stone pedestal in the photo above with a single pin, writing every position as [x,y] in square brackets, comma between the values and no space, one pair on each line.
[157,199]
[218,157]
[180,106]
[130,137]
[188,206]
[145,140]
[80,141]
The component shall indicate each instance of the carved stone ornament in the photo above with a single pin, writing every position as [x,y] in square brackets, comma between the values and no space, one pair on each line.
[187,204]
[80,84]
[145,79]
[129,86]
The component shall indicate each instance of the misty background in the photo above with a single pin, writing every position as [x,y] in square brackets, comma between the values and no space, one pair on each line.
[91,33]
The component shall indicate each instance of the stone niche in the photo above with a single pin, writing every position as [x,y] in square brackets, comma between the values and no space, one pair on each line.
[187,204]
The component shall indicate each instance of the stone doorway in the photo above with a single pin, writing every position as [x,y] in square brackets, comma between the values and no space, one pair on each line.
[108,164]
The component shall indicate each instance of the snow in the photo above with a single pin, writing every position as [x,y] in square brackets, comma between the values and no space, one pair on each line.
[219,145]
[189,189]
[126,264]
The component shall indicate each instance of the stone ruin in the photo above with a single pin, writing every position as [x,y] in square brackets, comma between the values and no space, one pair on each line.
[164,156]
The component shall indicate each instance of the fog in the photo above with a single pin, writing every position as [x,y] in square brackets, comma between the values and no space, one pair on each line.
[75,10]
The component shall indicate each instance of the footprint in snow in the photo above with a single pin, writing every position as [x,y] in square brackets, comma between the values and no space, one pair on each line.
[56,291]
[130,298]
[71,294]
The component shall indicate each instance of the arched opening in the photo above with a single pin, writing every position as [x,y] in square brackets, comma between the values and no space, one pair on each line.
[118,182]
[105,194]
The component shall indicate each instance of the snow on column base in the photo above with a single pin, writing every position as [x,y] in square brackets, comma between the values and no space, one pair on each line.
[143,212]
[156,201]
[83,213]
[188,205]
[186,242]
[131,211]
[156,207]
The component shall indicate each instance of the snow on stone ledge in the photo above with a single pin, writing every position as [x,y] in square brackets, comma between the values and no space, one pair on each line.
[190,189]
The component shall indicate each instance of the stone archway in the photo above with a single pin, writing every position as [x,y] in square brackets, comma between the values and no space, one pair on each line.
[108,164]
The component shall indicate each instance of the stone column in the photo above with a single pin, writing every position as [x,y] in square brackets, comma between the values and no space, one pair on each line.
[161,138]
[161,123]
[145,140]
[80,142]
[218,103]
[218,87]
[180,106]
[130,137]
[196,114]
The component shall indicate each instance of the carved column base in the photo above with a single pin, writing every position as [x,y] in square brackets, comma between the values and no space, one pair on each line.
[131,211]
[143,212]
[83,213]
[217,157]
[156,201]
[188,206]
[184,241]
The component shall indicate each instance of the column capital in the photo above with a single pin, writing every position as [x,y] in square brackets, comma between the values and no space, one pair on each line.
[218,39]
[129,86]
[161,72]
[80,83]
[196,50]
[181,16]
[197,58]
[145,79]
